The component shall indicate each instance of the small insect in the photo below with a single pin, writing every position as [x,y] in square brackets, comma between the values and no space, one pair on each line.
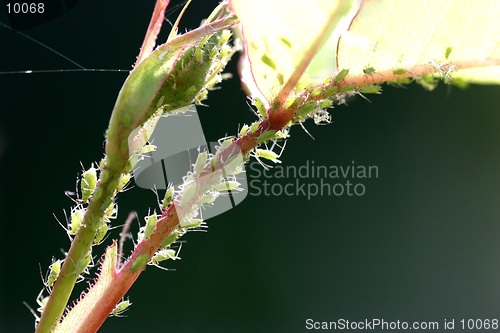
[150,226]
[369,70]
[190,223]
[213,53]
[261,107]
[88,183]
[286,41]
[267,154]
[188,193]
[341,75]
[265,136]
[120,308]
[176,233]
[124,180]
[229,185]
[53,273]
[83,264]
[208,198]
[447,52]
[198,52]
[102,230]
[316,92]
[243,130]
[254,127]
[331,91]
[164,254]
[139,263]
[325,103]
[77,215]
[399,71]
[291,100]
[169,197]
[224,38]
[370,89]
[305,109]
[201,159]
[268,61]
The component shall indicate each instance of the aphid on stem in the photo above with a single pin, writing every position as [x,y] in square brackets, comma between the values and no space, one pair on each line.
[164,254]
[120,308]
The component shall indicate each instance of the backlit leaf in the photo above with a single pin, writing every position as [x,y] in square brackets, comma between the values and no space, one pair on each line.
[282,37]
[393,34]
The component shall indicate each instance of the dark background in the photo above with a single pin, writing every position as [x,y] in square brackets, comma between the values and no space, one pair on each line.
[422,244]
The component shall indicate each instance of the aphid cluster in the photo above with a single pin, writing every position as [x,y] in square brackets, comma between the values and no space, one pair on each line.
[203,184]
[197,70]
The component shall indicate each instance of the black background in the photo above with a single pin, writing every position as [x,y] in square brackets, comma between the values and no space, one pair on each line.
[422,244]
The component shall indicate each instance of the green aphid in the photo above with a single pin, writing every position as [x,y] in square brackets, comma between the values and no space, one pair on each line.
[327,80]
[316,92]
[225,51]
[347,88]
[224,38]
[268,61]
[286,41]
[341,75]
[229,185]
[191,92]
[331,91]
[150,225]
[170,238]
[447,52]
[243,130]
[400,82]
[429,82]
[305,109]
[188,193]
[289,102]
[267,135]
[399,71]
[190,223]
[124,180]
[213,53]
[325,104]
[139,263]
[371,89]
[198,52]
[120,308]
[76,220]
[163,255]
[261,108]
[83,263]
[88,183]
[101,233]
[254,127]
[200,162]
[281,78]
[225,144]
[54,271]
[369,70]
[169,197]
[268,155]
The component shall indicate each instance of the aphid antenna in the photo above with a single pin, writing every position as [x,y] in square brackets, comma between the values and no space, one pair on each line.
[363,96]
[37,318]
[62,225]
[305,130]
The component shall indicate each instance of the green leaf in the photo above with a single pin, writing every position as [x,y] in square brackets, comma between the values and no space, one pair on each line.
[458,37]
[74,320]
[282,37]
